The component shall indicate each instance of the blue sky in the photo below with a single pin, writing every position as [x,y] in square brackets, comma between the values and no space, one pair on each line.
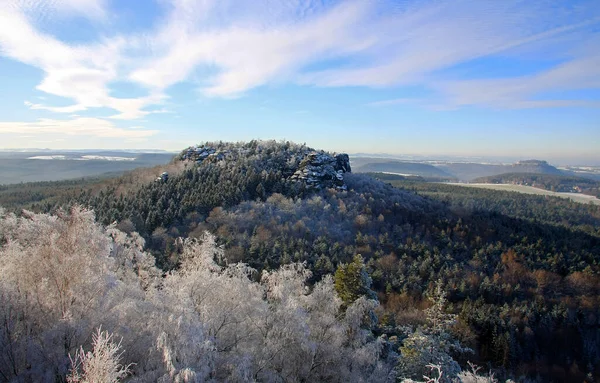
[440,77]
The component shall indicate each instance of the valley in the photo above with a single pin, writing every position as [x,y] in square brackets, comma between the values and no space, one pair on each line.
[34,165]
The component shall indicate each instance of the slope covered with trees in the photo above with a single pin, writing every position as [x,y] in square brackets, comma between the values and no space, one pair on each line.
[520,272]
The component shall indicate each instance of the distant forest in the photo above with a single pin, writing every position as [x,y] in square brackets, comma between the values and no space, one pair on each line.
[519,275]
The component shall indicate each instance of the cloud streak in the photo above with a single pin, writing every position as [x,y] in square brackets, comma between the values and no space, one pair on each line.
[520,92]
[79,126]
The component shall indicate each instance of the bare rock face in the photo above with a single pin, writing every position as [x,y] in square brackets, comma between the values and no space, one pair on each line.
[321,170]
[164,177]
[343,162]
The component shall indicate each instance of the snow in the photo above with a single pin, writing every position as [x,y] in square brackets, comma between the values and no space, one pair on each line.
[55,157]
[107,158]
[82,158]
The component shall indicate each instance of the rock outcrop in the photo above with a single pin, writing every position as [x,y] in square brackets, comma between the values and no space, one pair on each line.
[321,170]
[316,170]
[200,153]
[164,177]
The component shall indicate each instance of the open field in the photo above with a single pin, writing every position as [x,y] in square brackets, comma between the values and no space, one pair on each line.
[582,198]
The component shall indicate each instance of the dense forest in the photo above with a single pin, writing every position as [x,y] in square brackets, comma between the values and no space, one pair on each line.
[434,274]
[552,182]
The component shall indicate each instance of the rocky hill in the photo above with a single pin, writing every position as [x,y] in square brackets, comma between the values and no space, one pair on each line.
[314,170]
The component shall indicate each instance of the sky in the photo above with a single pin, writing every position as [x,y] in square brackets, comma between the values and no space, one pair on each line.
[440,77]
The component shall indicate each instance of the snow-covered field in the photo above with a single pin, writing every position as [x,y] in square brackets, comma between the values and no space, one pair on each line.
[107,158]
[82,158]
[401,174]
[55,157]
[582,198]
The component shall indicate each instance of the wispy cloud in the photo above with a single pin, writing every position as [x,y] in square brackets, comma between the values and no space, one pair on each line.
[56,109]
[428,41]
[396,101]
[520,92]
[80,126]
[246,53]
[41,9]
[375,44]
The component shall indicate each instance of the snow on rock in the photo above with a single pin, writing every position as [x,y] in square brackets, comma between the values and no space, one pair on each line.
[321,170]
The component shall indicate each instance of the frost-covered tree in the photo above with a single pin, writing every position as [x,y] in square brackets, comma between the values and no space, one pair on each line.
[436,375]
[101,365]
[55,273]
[278,329]
[63,277]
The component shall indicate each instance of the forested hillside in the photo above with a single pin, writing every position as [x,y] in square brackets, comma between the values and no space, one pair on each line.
[446,170]
[520,273]
[384,165]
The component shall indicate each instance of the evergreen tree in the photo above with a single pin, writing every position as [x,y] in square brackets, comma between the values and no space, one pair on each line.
[352,281]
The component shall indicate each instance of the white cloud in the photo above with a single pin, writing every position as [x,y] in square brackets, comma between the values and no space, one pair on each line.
[80,73]
[56,109]
[44,9]
[249,55]
[228,47]
[80,126]
[95,9]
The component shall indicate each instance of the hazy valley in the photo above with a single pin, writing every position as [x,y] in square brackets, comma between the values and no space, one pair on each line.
[33,165]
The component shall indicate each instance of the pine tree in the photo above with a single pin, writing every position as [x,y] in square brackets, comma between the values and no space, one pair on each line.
[352,281]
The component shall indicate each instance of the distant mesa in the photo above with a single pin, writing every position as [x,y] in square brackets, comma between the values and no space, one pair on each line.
[535,166]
